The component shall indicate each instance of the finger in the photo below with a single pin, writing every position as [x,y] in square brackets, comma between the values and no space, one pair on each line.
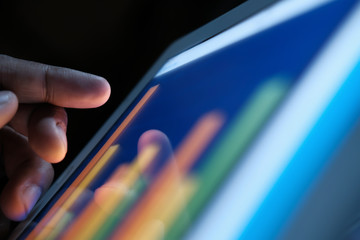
[8,107]
[20,121]
[47,132]
[34,82]
[45,126]
[28,175]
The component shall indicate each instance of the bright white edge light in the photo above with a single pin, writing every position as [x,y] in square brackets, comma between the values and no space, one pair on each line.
[280,12]
[251,181]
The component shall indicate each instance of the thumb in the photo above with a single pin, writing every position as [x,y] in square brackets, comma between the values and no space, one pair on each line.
[8,107]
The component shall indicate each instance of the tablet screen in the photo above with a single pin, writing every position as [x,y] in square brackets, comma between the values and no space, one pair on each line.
[164,168]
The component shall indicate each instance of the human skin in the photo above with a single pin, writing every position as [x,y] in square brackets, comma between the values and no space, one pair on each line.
[33,125]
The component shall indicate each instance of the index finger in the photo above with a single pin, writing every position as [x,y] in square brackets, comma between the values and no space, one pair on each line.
[35,82]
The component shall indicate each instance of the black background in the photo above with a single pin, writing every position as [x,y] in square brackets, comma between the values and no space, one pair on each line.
[118,40]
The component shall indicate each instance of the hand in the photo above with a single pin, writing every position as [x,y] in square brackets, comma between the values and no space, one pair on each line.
[33,125]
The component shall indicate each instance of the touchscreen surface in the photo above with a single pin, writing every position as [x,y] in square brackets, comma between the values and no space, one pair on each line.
[156,172]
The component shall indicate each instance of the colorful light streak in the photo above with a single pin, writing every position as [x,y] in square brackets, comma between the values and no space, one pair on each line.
[175,204]
[122,209]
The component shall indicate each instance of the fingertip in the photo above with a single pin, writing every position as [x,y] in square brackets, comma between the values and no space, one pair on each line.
[94,92]
[30,195]
[88,91]
[18,206]
[11,205]
[25,188]
[98,90]
[49,141]
[8,106]
[47,133]
[102,91]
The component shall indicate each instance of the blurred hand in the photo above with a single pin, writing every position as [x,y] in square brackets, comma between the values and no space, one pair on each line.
[33,125]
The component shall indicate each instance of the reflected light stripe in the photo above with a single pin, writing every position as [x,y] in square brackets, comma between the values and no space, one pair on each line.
[64,221]
[122,209]
[186,155]
[59,214]
[95,159]
[166,215]
[236,139]
[96,214]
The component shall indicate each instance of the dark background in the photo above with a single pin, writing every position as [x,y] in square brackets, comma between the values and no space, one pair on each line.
[118,40]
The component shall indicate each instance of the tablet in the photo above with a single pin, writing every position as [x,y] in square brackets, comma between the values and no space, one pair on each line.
[247,128]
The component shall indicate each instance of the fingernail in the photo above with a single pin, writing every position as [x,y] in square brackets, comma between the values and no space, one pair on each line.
[31,195]
[61,125]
